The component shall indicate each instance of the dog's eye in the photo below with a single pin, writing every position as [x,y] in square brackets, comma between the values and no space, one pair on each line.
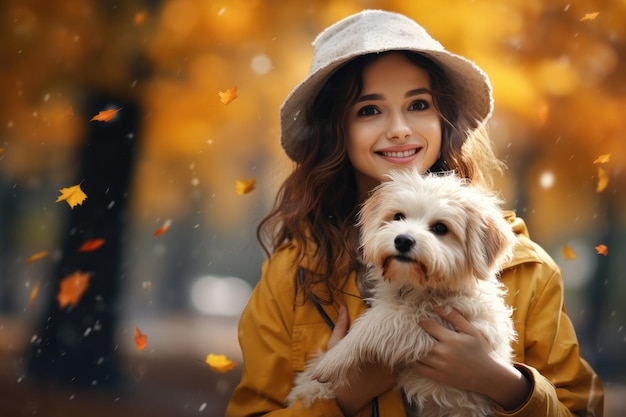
[398,217]
[439,229]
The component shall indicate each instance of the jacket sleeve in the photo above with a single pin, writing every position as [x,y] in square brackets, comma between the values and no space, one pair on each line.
[563,383]
[265,337]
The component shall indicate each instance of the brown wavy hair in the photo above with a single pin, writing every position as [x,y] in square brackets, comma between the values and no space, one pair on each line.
[316,205]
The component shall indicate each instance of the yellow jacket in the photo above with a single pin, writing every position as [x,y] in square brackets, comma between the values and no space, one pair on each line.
[278,336]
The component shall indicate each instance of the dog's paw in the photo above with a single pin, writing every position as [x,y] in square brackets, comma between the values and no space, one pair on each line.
[335,373]
[309,391]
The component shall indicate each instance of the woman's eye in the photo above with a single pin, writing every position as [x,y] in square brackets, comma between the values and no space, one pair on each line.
[368,111]
[398,217]
[439,229]
[420,105]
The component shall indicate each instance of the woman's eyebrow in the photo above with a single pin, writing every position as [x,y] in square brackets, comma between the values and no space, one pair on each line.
[418,91]
[410,93]
[369,97]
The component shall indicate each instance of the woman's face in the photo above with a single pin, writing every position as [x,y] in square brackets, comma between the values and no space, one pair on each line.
[394,123]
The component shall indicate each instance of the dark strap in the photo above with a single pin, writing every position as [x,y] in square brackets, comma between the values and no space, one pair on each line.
[324,315]
[328,320]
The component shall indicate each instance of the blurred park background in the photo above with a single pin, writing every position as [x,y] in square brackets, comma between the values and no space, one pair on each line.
[170,159]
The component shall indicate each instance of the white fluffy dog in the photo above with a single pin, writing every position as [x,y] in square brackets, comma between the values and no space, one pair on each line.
[428,241]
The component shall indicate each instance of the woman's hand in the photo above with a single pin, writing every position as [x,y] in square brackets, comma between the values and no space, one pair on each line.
[463,359]
[373,379]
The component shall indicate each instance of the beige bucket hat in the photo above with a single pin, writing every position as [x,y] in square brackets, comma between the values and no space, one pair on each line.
[373,31]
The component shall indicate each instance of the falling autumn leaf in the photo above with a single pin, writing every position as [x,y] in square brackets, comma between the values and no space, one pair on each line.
[141,340]
[91,245]
[140,18]
[602,250]
[603,180]
[105,115]
[37,256]
[72,288]
[589,16]
[229,95]
[219,363]
[602,159]
[163,229]
[33,296]
[568,253]
[74,195]
[245,186]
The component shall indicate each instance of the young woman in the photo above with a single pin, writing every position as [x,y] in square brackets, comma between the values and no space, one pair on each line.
[381,95]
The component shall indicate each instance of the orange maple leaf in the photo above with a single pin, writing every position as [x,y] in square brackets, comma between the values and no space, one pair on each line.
[244,186]
[74,195]
[568,253]
[166,225]
[602,250]
[602,159]
[72,288]
[36,256]
[229,95]
[105,115]
[33,295]
[603,180]
[219,363]
[589,16]
[91,245]
[141,340]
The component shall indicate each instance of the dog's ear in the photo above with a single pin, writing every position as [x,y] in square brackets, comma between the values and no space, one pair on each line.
[490,240]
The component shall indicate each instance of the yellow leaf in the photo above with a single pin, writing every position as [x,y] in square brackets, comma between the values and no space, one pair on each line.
[33,295]
[74,195]
[589,16]
[141,340]
[219,363]
[72,288]
[602,250]
[602,159]
[229,95]
[105,115]
[36,256]
[603,180]
[568,253]
[245,186]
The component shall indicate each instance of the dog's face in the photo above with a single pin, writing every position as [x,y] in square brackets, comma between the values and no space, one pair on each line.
[433,231]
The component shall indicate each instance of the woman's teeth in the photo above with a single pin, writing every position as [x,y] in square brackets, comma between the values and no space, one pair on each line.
[404,154]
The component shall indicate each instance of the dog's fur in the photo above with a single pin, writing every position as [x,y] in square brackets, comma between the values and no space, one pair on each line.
[428,240]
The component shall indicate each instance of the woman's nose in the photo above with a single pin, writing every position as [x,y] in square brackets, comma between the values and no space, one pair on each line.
[399,129]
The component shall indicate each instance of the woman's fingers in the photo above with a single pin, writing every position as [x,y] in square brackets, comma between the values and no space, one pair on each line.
[458,322]
[341,327]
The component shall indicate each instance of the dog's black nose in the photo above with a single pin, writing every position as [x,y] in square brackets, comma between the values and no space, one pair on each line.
[404,243]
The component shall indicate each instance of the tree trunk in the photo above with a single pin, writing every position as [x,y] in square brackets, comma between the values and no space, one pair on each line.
[76,344]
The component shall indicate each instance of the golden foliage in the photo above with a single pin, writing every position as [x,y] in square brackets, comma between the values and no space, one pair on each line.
[219,363]
[74,195]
